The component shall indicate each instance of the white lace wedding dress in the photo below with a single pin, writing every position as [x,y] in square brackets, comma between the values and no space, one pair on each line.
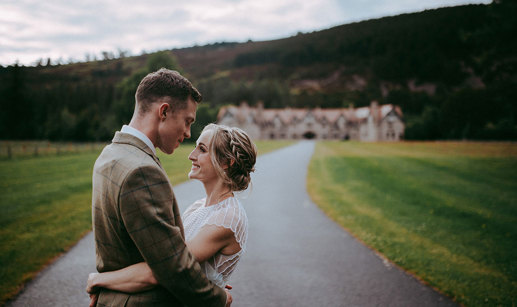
[228,213]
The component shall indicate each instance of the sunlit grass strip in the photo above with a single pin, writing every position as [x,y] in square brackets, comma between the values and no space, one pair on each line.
[443,211]
[46,207]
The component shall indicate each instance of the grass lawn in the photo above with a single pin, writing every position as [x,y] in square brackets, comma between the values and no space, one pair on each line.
[46,207]
[444,211]
[27,149]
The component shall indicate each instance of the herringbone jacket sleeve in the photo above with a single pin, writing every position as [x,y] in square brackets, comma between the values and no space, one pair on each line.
[145,202]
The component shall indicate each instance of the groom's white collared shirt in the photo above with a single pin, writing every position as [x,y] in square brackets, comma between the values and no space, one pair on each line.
[136,133]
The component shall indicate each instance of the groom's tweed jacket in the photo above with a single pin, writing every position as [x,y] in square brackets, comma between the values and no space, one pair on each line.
[136,218]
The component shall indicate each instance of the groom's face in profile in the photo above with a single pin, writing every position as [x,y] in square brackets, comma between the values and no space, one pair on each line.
[176,127]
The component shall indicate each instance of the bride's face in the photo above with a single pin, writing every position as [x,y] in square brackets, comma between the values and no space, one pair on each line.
[202,167]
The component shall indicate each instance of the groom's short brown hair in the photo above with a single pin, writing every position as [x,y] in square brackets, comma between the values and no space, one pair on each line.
[165,83]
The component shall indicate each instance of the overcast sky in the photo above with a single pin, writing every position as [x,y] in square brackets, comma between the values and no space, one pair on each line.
[33,29]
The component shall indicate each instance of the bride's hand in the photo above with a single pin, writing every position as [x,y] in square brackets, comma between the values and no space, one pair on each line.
[90,286]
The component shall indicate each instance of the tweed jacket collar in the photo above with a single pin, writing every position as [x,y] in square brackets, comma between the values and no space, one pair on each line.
[125,138]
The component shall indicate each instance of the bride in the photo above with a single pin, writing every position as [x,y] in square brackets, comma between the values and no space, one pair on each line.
[216,227]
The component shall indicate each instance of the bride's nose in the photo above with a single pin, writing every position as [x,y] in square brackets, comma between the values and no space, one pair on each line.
[191,156]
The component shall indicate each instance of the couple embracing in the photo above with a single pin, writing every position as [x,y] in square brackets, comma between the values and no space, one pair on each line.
[148,255]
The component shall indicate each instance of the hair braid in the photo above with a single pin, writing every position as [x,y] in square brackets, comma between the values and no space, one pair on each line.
[232,147]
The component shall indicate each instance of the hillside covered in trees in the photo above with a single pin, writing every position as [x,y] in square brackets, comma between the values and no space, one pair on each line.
[453,71]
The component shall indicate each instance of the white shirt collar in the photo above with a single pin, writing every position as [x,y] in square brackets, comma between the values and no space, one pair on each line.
[134,132]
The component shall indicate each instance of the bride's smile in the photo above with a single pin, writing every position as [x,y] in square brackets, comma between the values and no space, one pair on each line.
[202,167]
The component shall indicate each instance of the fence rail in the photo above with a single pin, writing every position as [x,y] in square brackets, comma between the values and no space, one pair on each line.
[22,149]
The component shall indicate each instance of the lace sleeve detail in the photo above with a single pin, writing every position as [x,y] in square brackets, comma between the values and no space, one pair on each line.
[232,215]
[193,207]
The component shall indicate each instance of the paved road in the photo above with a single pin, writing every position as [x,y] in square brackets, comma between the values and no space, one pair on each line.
[296,256]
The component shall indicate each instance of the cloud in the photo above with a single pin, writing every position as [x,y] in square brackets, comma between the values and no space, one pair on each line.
[60,28]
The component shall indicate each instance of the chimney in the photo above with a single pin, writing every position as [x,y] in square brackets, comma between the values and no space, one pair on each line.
[260,111]
[350,113]
[243,104]
[374,110]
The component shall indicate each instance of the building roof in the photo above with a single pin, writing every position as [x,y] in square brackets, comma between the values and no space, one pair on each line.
[290,115]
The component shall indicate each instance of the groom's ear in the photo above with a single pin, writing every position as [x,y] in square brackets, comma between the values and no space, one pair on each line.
[162,110]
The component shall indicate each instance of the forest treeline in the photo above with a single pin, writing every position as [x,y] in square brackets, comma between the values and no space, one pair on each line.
[453,71]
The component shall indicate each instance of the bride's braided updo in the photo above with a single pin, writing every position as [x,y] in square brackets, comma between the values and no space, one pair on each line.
[232,147]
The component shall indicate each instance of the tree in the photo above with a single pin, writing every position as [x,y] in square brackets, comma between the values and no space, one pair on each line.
[205,115]
[17,114]
[162,59]
[125,90]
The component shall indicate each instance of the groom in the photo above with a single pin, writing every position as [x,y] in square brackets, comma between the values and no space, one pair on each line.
[135,214]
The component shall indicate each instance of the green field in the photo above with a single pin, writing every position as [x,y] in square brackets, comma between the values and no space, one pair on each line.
[444,211]
[46,206]
[28,149]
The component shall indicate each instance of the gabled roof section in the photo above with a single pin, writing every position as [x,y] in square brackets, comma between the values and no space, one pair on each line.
[290,115]
[362,113]
[387,108]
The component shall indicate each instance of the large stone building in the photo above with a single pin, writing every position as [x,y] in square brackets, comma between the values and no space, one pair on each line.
[373,123]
